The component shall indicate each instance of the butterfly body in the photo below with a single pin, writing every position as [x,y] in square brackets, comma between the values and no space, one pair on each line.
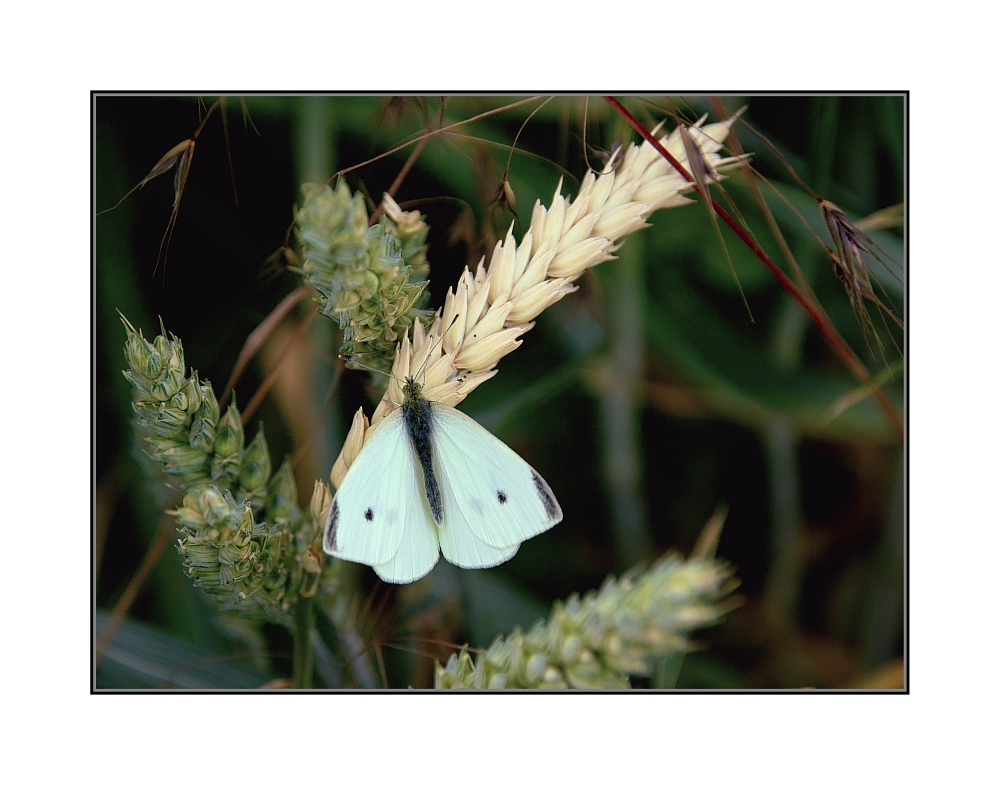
[418,417]
[429,480]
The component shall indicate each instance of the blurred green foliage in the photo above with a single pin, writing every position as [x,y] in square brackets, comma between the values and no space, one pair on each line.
[723,408]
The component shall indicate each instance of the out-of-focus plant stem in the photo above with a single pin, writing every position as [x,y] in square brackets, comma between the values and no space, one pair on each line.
[781,441]
[886,579]
[619,396]
[782,438]
[316,136]
[315,139]
[302,657]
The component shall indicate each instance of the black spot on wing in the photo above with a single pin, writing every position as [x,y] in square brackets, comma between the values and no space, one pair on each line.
[330,535]
[369,515]
[552,509]
[501,496]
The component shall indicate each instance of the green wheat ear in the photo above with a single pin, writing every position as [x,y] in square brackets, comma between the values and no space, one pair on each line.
[598,641]
[243,538]
[371,280]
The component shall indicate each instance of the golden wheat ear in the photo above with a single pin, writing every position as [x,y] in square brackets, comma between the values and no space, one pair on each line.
[488,311]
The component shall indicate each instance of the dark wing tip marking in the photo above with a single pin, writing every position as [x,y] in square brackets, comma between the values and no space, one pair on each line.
[552,509]
[501,496]
[330,535]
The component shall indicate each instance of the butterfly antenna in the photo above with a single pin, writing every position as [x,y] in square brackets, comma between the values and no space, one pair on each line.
[349,358]
[359,364]
[430,353]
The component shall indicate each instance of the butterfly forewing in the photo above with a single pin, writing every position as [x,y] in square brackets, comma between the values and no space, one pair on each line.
[373,507]
[488,488]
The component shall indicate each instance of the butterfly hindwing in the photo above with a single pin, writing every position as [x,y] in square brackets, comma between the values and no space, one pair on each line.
[463,549]
[418,552]
[488,488]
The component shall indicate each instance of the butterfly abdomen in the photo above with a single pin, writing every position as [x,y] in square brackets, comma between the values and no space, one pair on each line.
[417,415]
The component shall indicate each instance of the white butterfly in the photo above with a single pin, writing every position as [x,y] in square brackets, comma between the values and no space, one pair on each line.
[432,479]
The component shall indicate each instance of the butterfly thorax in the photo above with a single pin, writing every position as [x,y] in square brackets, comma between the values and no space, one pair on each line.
[417,415]
[412,389]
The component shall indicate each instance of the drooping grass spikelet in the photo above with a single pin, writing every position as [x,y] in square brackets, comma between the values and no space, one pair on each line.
[599,640]
[486,313]
[243,537]
[851,246]
[372,281]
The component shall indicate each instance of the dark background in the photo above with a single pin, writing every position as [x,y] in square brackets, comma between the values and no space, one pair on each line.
[727,410]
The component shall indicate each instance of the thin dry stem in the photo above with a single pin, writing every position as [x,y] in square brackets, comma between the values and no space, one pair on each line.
[260,334]
[164,536]
[265,386]
[433,132]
